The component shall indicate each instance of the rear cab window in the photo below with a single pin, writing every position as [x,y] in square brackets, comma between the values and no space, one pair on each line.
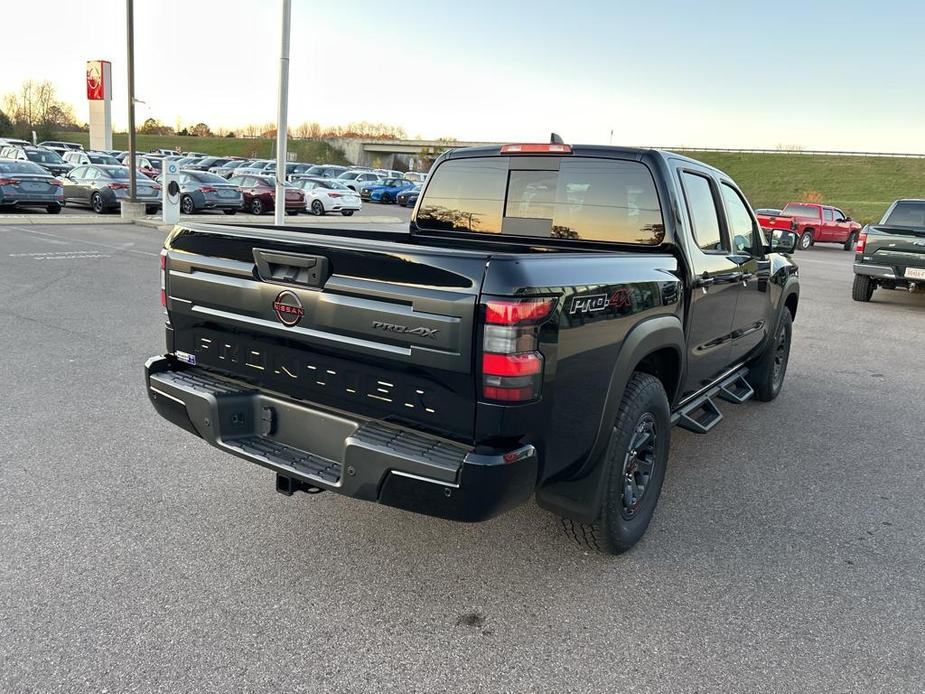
[800,211]
[906,213]
[582,198]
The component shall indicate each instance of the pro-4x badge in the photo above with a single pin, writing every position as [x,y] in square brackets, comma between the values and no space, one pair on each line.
[592,303]
[404,329]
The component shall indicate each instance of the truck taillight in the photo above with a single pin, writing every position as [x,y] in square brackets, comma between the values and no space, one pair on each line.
[512,366]
[164,278]
[862,241]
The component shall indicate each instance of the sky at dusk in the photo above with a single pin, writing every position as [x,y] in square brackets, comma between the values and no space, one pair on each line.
[827,74]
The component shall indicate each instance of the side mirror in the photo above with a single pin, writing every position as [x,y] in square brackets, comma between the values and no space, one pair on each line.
[848,219]
[783,241]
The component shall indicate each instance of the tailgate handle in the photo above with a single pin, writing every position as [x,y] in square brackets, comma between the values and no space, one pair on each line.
[291,268]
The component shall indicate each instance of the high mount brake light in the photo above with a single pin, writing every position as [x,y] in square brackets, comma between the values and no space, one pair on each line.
[512,366]
[546,148]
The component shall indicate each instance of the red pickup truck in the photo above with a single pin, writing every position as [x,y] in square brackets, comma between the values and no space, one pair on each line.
[814,223]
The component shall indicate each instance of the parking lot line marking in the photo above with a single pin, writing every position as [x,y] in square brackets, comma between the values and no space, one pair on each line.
[123,247]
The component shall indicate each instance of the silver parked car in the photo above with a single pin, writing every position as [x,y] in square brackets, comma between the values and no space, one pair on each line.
[102,188]
[201,190]
[24,184]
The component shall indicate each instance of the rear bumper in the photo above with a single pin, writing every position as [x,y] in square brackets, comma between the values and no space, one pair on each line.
[222,203]
[884,272]
[364,459]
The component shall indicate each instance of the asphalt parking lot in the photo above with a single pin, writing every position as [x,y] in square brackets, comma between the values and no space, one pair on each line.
[787,553]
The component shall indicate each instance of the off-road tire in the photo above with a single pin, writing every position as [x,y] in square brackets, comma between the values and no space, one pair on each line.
[613,532]
[766,374]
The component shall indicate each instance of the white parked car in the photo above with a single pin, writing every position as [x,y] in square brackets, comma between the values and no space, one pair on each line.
[323,195]
[356,179]
[78,157]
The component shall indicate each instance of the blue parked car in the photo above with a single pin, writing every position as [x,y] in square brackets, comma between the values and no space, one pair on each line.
[385,192]
[408,198]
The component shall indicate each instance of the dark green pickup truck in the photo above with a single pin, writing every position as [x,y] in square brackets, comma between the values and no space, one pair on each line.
[891,254]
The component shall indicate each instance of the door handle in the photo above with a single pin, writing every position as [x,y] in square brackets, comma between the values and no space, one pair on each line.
[704,282]
[729,277]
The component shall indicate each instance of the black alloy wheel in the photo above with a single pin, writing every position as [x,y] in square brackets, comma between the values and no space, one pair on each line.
[638,463]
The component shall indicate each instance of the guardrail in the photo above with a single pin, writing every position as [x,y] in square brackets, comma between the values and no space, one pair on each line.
[829,152]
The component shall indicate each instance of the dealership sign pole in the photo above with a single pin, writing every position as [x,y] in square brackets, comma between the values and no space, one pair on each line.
[282,113]
[99,94]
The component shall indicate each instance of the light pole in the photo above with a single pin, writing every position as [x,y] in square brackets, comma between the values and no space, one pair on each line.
[130,33]
[282,112]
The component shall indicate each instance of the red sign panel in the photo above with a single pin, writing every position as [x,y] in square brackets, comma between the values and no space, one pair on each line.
[96,80]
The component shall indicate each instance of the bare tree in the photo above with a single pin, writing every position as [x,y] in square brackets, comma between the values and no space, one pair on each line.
[36,107]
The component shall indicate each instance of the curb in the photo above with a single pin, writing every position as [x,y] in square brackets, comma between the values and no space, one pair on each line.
[13,219]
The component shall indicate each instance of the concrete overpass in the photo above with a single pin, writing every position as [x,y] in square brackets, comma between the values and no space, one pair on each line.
[406,155]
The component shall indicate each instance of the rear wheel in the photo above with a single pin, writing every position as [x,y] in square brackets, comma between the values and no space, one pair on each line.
[766,375]
[256,206]
[186,205]
[386,199]
[850,241]
[96,203]
[347,213]
[806,240]
[636,456]
[54,208]
[317,208]
[863,288]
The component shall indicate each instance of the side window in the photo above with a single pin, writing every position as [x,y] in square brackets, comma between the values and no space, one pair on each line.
[740,222]
[184,178]
[702,208]
[78,172]
[827,212]
[91,174]
[839,215]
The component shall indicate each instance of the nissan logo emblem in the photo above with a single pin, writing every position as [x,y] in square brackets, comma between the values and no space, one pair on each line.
[288,308]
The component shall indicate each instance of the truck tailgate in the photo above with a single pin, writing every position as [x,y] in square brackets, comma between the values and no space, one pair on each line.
[380,329]
[899,247]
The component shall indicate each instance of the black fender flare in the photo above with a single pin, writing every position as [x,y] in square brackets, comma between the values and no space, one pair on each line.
[580,495]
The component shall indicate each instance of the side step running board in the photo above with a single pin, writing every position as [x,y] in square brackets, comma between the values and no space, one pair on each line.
[737,391]
[702,414]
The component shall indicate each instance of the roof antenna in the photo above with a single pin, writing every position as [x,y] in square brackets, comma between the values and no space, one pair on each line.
[555,139]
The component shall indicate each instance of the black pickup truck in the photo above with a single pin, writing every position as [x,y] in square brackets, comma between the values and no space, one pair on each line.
[551,313]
